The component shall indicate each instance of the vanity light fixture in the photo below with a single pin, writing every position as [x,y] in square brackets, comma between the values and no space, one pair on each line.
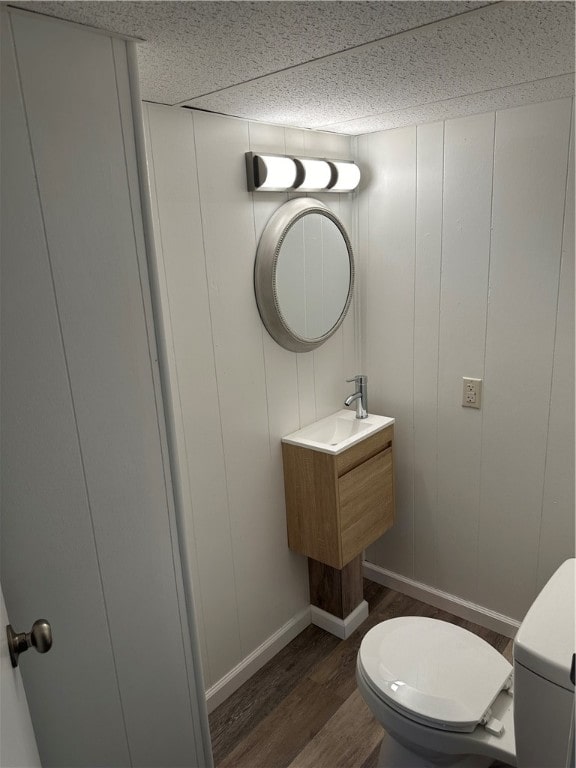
[281,173]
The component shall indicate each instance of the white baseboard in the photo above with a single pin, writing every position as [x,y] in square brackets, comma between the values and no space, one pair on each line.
[497,622]
[231,681]
[342,628]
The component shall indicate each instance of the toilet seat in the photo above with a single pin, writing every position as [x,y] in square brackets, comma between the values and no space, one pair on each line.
[435,673]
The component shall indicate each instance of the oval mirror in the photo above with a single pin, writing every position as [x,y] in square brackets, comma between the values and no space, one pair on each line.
[303,274]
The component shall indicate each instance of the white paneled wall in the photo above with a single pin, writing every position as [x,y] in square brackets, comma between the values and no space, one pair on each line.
[88,525]
[468,149]
[466,231]
[235,391]
[389,286]
[465,268]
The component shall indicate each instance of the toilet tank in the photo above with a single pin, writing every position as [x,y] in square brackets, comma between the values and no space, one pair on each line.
[543,676]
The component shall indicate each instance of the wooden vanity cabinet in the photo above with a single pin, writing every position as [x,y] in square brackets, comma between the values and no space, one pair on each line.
[336,505]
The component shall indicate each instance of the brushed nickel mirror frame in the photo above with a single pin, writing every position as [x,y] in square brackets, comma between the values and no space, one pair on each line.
[265,265]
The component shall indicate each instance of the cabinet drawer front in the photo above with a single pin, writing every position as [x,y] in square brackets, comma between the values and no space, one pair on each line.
[363,450]
[366,503]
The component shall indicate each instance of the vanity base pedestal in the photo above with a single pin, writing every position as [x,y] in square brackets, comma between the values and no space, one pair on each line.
[337,596]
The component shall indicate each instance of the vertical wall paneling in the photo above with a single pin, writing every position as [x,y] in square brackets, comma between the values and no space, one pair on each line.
[77,100]
[389,323]
[229,243]
[557,524]
[132,121]
[261,558]
[349,217]
[364,242]
[64,157]
[468,156]
[492,298]
[352,331]
[430,163]
[51,514]
[172,162]
[227,371]
[531,155]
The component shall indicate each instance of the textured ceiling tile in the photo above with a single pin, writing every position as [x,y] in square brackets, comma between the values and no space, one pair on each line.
[493,47]
[488,101]
[194,48]
[471,57]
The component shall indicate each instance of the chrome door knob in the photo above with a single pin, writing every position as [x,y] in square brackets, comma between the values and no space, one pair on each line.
[40,636]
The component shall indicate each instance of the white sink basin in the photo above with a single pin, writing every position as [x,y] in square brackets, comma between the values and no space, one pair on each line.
[337,432]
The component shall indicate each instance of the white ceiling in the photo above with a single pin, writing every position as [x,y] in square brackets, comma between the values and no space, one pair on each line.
[350,67]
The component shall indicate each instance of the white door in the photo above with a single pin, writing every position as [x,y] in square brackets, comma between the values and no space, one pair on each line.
[89,538]
[17,741]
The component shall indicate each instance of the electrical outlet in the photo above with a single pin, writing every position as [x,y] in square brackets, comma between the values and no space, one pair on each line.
[471,392]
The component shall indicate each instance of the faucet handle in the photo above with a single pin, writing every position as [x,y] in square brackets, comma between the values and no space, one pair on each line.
[359,378]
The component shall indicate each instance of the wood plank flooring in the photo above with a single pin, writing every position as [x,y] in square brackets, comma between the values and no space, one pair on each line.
[302,709]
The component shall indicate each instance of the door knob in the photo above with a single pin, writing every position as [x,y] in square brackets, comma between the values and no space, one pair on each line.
[40,636]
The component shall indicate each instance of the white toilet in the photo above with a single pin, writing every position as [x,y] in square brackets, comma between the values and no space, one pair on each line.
[445,697]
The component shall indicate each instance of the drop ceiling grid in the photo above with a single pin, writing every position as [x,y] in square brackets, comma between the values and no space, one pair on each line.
[345,66]
[496,47]
[194,48]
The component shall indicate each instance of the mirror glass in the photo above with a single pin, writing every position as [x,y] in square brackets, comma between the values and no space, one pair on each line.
[312,276]
[304,274]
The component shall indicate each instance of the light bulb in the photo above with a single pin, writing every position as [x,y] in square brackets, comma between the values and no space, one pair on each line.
[348,176]
[317,174]
[276,172]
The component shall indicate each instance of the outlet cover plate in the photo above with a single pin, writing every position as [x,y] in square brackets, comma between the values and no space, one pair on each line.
[471,392]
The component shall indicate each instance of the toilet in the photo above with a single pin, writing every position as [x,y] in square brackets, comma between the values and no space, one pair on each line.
[447,698]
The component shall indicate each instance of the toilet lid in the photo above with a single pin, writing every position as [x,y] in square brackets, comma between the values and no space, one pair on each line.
[433,672]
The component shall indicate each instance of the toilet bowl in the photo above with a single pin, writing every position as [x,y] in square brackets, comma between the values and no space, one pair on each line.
[445,697]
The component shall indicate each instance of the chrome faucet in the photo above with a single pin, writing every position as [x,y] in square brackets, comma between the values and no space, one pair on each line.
[360,396]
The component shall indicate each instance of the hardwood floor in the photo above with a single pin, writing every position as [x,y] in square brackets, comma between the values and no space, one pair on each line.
[302,709]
